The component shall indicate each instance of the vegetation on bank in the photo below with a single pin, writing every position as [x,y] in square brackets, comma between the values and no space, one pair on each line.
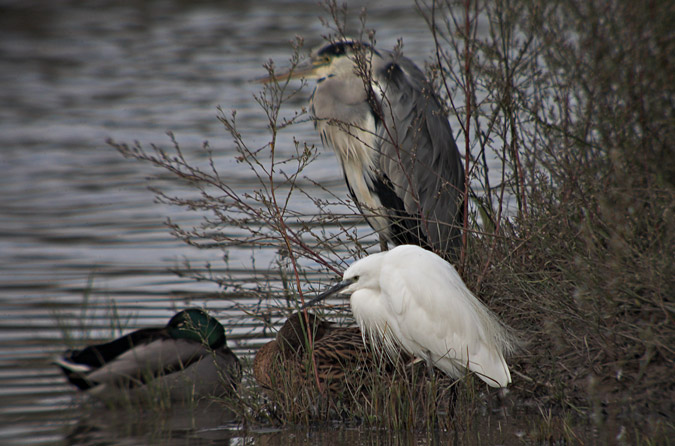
[570,239]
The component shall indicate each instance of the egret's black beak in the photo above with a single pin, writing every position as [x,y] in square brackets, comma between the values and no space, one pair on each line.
[329,292]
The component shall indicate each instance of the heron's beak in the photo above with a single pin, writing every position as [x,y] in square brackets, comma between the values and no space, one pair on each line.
[329,292]
[307,69]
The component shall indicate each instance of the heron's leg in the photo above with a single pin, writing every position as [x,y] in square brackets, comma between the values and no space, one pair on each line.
[383,244]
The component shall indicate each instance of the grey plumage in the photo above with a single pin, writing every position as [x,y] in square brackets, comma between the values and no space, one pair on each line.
[394,143]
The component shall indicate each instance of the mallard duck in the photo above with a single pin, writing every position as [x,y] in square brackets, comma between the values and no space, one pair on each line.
[188,358]
[337,352]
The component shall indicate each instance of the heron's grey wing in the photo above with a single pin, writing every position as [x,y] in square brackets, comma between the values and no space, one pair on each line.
[144,362]
[418,152]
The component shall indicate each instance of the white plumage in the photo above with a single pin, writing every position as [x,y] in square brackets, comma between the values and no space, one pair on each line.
[412,298]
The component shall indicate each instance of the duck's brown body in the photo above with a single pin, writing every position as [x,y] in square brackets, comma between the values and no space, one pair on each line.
[336,352]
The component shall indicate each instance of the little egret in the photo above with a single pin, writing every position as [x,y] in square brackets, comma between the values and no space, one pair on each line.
[413,299]
[381,117]
[186,358]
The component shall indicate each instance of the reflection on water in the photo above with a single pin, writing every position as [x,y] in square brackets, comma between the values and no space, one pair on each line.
[84,251]
[201,424]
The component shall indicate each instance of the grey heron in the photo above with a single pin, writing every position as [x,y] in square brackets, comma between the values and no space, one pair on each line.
[381,117]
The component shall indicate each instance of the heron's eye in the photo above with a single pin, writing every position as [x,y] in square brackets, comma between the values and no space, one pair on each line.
[322,60]
[355,279]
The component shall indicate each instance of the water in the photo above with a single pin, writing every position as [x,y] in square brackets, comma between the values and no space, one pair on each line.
[82,241]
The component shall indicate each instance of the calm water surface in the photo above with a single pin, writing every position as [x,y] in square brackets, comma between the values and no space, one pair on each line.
[82,241]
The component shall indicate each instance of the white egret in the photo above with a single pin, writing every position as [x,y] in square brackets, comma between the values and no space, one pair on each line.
[411,298]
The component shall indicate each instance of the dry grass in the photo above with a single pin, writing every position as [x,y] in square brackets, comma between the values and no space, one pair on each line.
[371,394]
[585,272]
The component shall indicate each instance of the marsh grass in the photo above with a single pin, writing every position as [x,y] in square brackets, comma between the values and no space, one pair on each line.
[373,393]
[75,328]
[570,239]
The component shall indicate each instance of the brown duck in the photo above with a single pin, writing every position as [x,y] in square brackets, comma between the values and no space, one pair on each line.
[338,352]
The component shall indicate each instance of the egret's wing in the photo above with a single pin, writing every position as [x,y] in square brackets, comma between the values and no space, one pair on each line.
[438,314]
[418,152]
[481,337]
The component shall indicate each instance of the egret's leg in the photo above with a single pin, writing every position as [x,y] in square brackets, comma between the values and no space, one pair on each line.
[430,365]
[453,398]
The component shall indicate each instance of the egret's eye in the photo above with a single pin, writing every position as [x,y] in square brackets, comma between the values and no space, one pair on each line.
[355,278]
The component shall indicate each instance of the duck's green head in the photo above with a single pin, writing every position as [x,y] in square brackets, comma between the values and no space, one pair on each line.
[197,325]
